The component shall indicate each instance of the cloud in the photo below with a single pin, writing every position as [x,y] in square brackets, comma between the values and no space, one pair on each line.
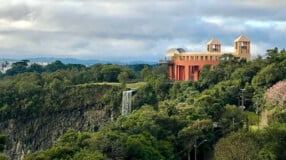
[133,29]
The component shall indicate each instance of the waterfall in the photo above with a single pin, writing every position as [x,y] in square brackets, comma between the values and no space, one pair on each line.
[126,102]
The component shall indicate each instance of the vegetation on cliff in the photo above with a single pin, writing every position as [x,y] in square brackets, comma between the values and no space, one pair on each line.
[217,117]
[56,87]
[2,146]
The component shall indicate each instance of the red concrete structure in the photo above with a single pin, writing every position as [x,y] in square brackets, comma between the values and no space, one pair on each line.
[184,66]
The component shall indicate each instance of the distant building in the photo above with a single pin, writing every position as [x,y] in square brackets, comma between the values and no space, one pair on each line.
[184,66]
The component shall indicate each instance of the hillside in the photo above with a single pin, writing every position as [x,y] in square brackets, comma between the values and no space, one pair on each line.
[217,117]
[36,123]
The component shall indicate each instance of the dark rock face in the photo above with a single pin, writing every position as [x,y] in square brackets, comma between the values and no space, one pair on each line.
[33,134]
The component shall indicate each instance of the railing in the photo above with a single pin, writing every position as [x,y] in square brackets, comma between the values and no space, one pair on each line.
[165,61]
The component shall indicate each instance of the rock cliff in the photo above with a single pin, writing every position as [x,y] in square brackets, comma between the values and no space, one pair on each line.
[84,108]
[32,134]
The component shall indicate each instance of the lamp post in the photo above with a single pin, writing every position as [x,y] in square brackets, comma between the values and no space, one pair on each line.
[197,146]
[242,99]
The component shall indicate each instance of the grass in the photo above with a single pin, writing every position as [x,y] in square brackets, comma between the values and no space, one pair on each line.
[128,85]
[108,83]
[135,85]
[254,128]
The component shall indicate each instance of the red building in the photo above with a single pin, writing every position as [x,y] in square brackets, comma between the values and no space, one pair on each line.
[184,66]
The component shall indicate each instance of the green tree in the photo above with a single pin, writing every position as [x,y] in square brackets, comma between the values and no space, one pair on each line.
[89,155]
[57,65]
[123,77]
[110,73]
[273,141]
[36,68]
[17,68]
[237,146]
[210,105]
[3,140]
[96,72]
[268,76]
[146,73]
[145,95]
[272,55]
[232,118]
[197,132]
[141,148]
[161,70]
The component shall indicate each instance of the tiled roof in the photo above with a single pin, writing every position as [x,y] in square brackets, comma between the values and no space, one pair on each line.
[241,38]
[213,41]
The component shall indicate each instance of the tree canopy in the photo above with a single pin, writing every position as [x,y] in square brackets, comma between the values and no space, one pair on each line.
[170,120]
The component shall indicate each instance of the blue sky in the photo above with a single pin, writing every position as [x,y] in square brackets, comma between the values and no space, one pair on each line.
[135,29]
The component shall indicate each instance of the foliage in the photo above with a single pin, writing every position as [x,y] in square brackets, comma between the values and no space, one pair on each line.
[222,71]
[155,90]
[275,101]
[268,76]
[252,118]
[232,119]
[169,118]
[276,95]
[17,68]
[33,94]
[77,73]
[141,148]
[273,142]
[3,157]
[69,147]
[265,144]
[145,134]
[3,140]
[123,77]
[240,145]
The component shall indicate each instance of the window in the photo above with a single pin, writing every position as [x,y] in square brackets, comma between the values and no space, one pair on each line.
[242,44]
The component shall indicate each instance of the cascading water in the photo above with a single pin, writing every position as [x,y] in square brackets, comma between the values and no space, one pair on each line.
[126,102]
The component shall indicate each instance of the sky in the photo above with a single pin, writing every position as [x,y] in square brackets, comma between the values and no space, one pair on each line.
[129,30]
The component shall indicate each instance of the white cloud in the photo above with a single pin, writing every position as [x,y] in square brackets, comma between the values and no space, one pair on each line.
[259,24]
[214,20]
[262,4]
[19,24]
[259,49]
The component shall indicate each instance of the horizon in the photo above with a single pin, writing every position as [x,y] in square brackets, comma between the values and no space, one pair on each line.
[52,59]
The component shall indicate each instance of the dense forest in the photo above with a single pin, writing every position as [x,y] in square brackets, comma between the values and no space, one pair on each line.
[235,111]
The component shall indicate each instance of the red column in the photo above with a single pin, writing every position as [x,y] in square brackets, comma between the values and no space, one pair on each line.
[181,73]
[196,73]
[187,72]
[177,73]
[191,73]
[171,72]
